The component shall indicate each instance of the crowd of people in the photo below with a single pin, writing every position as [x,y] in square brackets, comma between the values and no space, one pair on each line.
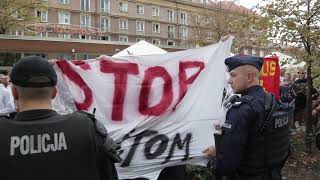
[293,97]
[254,143]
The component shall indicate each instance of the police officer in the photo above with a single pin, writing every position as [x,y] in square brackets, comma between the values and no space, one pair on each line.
[245,152]
[40,144]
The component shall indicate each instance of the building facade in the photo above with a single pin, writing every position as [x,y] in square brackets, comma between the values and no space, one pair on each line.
[84,29]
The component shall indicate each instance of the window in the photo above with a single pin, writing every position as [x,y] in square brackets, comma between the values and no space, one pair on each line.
[170,31]
[64,1]
[64,56]
[253,52]
[64,36]
[204,1]
[140,9]
[156,11]
[156,42]
[170,43]
[85,21]
[9,58]
[42,34]
[82,56]
[140,25]
[17,33]
[84,37]
[123,38]
[183,17]
[140,39]
[156,27]
[246,51]
[208,20]
[64,18]
[123,7]
[43,16]
[183,32]
[170,16]
[197,18]
[209,35]
[123,24]
[104,24]
[85,5]
[104,5]
[105,38]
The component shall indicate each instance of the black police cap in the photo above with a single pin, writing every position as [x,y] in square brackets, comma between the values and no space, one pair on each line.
[240,60]
[33,71]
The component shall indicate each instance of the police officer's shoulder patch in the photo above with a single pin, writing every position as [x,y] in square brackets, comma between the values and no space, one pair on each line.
[227,125]
[236,104]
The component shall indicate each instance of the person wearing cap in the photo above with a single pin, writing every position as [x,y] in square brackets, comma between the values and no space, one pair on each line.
[38,143]
[242,150]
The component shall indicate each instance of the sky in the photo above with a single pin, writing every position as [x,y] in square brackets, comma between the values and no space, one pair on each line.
[249,3]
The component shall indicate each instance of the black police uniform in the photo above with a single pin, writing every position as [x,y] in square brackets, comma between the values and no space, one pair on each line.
[241,153]
[41,144]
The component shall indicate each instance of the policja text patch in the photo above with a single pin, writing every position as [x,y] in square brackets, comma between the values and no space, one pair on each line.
[41,143]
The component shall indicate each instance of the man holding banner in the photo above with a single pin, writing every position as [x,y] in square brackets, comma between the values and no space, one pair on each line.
[245,145]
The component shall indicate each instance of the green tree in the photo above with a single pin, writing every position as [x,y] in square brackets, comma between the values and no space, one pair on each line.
[17,13]
[249,29]
[296,23]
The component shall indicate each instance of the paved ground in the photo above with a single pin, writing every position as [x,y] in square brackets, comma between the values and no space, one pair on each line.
[302,166]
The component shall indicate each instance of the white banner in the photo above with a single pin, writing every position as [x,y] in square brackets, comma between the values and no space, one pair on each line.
[160,108]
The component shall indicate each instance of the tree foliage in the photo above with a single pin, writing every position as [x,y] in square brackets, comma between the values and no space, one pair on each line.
[249,29]
[17,13]
[296,23]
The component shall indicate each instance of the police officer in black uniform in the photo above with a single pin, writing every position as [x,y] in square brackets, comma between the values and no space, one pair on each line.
[40,144]
[250,148]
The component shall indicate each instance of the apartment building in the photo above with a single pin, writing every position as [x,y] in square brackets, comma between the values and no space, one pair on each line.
[84,29]
[163,23]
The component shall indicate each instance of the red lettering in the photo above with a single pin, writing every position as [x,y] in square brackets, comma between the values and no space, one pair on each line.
[166,99]
[82,64]
[183,81]
[120,71]
[76,78]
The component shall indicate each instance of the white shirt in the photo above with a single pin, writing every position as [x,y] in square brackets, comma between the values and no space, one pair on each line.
[6,101]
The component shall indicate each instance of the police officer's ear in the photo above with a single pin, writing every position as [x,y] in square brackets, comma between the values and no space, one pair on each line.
[54,92]
[250,76]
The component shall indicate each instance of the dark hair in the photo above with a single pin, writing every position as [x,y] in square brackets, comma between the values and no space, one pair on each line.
[30,93]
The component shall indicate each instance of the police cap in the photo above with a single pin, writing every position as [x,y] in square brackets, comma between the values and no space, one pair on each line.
[240,60]
[33,71]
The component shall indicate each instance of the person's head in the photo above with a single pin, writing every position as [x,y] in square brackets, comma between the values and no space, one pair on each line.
[244,72]
[33,83]
[287,77]
[301,74]
[294,76]
[5,80]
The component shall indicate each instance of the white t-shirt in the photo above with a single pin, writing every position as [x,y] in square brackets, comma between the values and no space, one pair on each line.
[6,101]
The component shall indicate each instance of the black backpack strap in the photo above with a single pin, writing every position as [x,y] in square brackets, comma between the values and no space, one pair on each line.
[269,105]
[110,147]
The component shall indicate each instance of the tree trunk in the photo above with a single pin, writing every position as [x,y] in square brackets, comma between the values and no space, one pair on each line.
[308,117]
[2,31]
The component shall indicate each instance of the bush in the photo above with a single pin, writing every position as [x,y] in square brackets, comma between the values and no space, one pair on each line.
[199,173]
